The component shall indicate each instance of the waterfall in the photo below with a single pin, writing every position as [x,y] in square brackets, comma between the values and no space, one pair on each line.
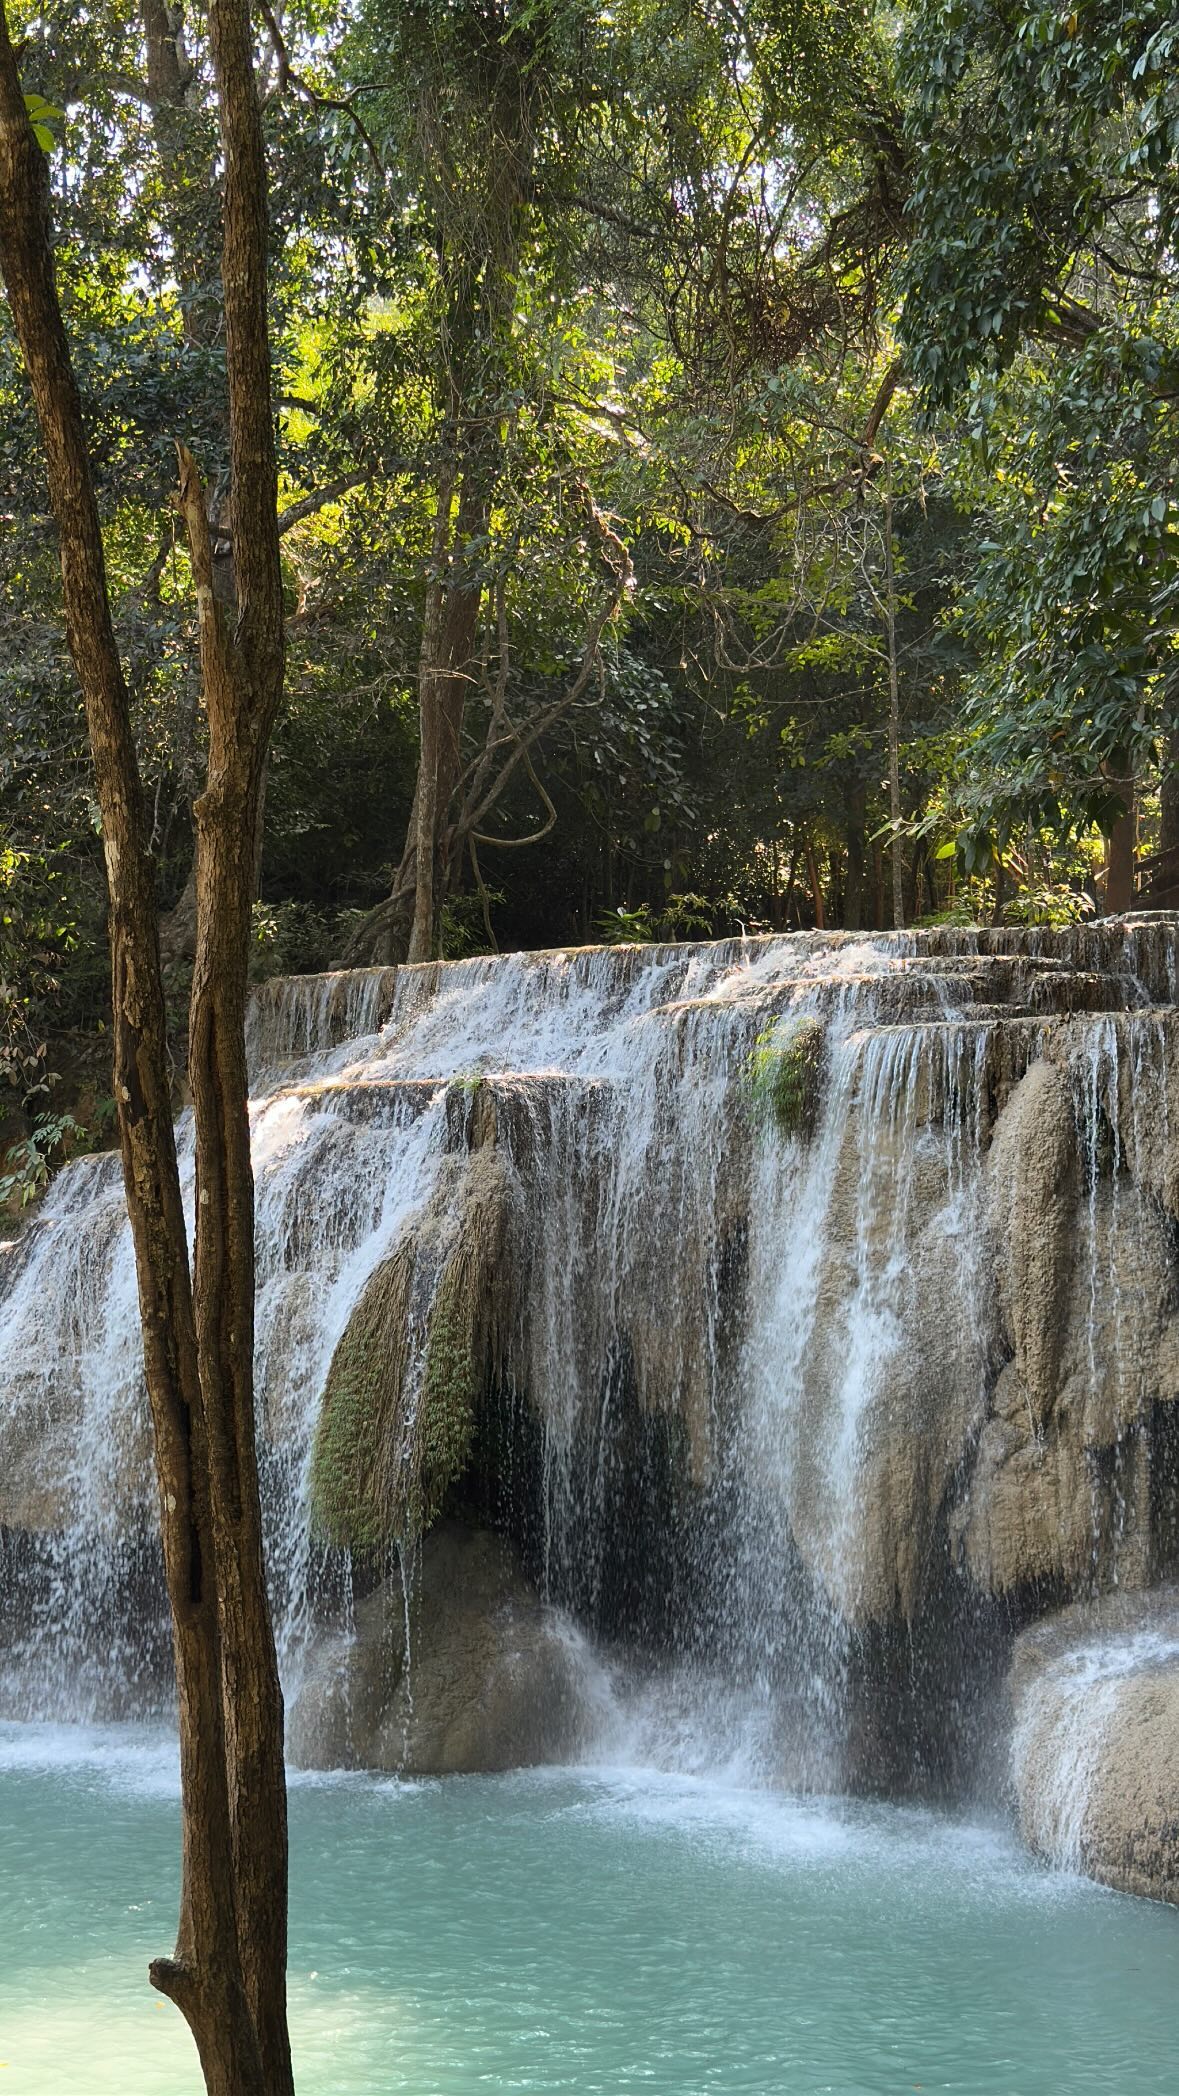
[1067,1727]
[764,1402]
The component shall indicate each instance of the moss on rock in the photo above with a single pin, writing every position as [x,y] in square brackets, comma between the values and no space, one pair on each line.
[785,1074]
[361,1423]
[397,1424]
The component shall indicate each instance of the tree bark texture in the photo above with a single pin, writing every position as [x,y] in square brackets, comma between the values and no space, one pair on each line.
[242,673]
[444,677]
[1120,853]
[894,722]
[227,1974]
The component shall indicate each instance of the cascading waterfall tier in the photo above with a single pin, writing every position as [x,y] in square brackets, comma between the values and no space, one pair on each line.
[795,1317]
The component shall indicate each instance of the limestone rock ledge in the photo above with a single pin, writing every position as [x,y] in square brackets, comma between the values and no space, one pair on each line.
[495,1679]
[1095,1740]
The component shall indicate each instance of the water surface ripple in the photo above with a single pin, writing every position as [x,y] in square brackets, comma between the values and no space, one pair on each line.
[608,1932]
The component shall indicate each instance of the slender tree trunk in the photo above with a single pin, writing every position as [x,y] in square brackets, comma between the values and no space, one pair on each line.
[1000,892]
[1120,841]
[444,681]
[791,876]
[242,672]
[812,868]
[1169,796]
[227,1974]
[854,897]
[205,1974]
[894,722]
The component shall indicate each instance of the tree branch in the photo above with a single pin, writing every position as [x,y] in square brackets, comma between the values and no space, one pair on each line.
[310,505]
[288,77]
[481,798]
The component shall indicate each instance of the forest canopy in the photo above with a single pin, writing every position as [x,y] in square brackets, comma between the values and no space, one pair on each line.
[728,460]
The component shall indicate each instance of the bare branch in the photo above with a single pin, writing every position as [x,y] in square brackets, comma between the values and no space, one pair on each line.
[480,798]
[310,505]
[288,77]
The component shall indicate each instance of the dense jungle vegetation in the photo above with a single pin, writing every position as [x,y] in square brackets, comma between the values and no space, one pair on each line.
[728,464]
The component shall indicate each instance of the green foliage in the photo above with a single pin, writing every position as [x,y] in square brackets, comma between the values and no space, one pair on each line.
[52,1138]
[464,930]
[785,1075]
[42,116]
[681,917]
[623,927]
[1048,903]
[36,933]
[292,938]
[1039,134]
[677,255]
[1041,305]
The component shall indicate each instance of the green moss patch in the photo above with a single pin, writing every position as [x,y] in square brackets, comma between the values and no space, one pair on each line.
[397,1425]
[786,1073]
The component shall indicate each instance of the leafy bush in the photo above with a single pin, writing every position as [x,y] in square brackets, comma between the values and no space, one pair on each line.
[682,917]
[30,1161]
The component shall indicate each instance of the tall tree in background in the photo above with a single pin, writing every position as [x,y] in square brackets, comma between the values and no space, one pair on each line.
[1041,302]
[228,1972]
[480,108]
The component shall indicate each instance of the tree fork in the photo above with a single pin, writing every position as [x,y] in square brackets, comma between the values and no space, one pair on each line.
[205,1977]
[242,674]
[228,1972]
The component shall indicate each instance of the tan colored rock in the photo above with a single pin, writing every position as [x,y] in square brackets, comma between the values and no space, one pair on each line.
[1029,1514]
[1033,1183]
[1063,1493]
[494,1679]
[1095,1741]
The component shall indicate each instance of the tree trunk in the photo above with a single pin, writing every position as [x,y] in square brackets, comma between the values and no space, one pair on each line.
[854,897]
[894,722]
[205,1975]
[242,672]
[444,680]
[916,869]
[227,1974]
[1000,891]
[791,876]
[1120,842]
[816,886]
[1169,796]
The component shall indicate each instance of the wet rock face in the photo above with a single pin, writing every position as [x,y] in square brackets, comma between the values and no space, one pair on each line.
[1095,1741]
[1086,1290]
[494,1678]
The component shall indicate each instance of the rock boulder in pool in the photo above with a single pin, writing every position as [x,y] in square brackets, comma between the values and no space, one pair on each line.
[494,1680]
[1095,1744]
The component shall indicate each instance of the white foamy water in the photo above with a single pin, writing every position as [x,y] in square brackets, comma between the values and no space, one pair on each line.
[1065,1721]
